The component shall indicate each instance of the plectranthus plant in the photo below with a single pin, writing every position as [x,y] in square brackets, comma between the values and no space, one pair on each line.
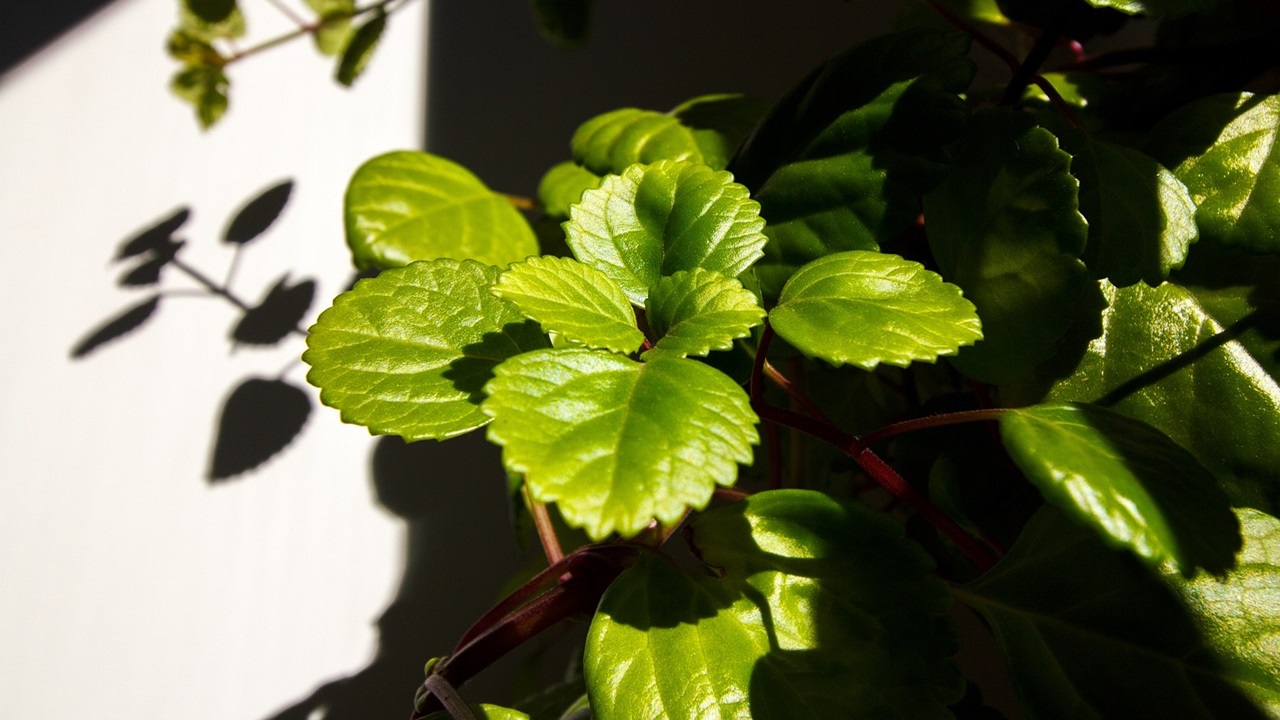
[799,380]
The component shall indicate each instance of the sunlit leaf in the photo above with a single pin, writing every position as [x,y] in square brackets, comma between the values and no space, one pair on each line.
[407,352]
[563,186]
[866,308]
[693,313]
[573,300]
[612,142]
[335,30]
[259,419]
[584,427]
[484,711]
[406,206]
[818,610]
[1157,8]
[205,88]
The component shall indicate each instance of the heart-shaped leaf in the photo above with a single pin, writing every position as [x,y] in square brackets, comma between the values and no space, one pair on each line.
[406,206]
[693,313]
[617,443]
[573,300]
[407,352]
[656,220]
[866,308]
[820,609]
[1139,489]
[610,143]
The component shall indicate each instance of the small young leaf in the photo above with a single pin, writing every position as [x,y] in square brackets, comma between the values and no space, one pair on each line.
[356,55]
[819,609]
[693,313]
[277,315]
[259,419]
[258,214]
[1090,633]
[617,443]
[610,143]
[1140,490]
[1226,150]
[205,88]
[865,308]
[1141,217]
[573,300]
[563,185]
[407,352]
[211,11]
[406,206]
[1157,8]
[120,325]
[656,220]
[209,20]
[335,30]
[1004,226]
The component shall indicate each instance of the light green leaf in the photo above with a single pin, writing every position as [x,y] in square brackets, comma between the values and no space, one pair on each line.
[720,123]
[1140,490]
[656,220]
[1224,148]
[359,49]
[484,711]
[407,353]
[610,143]
[335,30]
[693,313]
[205,88]
[563,185]
[1141,217]
[819,609]
[405,206]
[867,308]
[617,443]
[210,20]
[1004,226]
[573,300]
[1157,8]
[192,50]
[1089,633]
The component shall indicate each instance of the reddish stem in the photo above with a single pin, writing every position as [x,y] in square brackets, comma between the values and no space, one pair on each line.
[546,530]
[932,421]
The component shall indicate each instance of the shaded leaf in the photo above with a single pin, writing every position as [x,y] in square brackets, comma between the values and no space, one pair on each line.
[118,326]
[563,23]
[1140,490]
[693,313]
[157,238]
[573,300]
[204,87]
[356,55]
[407,352]
[277,315]
[211,11]
[563,186]
[656,220]
[867,308]
[819,609]
[259,419]
[255,216]
[583,426]
[406,206]
[610,143]
[720,123]
[1069,612]
[1005,227]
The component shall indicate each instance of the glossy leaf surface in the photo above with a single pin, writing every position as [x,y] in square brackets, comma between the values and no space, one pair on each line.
[1090,633]
[406,206]
[866,308]
[1005,227]
[1140,490]
[1157,8]
[484,711]
[563,186]
[573,300]
[610,143]
[818,609]
[616,443]
[407,352]
[656,220]
[693,313]
[1224,149]
[1141,217]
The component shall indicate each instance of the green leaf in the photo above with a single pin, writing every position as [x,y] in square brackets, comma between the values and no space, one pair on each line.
[564,23]
[819,609]
[1090,633]
[656,220]
[1157,8]
[841,162]
[563,185]
[867,308]
[573,300]
[407,352]
[610,143]
[693,313]
[191,49]
[405,206]
[483,711]
[359,49]
[335,30]
[205,88]
[210,11]
[617,443]
[1224,149]
[210,20]
[1004,226]
[1163,359]
[1241,291]
[720,123]
[1140,490]
[1141,217]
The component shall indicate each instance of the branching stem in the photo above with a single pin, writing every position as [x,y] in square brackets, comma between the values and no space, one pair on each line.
[924,423]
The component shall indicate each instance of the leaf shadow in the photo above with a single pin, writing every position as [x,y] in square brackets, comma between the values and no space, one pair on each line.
[258,214]
[118,326]
[277,315]
[470,372]
[259,418]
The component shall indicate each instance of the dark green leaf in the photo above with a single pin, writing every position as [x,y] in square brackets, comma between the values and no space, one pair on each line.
[205,88]
[407,352]
[1241,291]
[356,55]
[564,23]
[720,123]
[610,143]
[405,206]
[259,419]
[122,324]
[1140,490]
[209,20]
[818,610]
[211,11]
[1005,227]
[656,220]
[693,313]
[258,214]
[574,300]
[617,443]
[563,186]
